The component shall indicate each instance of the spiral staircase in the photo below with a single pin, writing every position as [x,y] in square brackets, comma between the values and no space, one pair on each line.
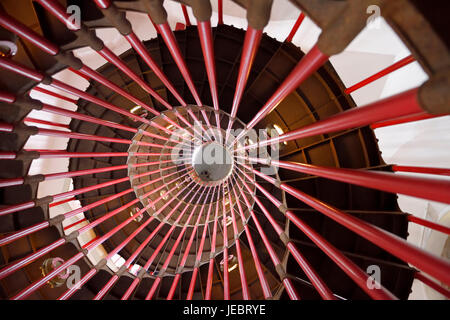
[142,220]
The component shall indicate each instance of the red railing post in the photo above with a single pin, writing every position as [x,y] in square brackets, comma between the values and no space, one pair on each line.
[429,263]
[399,64]
[188,247]
[312,61]
[404,103]
[295,27]
[429,224]
[249,49]
[432,284]
[220,12]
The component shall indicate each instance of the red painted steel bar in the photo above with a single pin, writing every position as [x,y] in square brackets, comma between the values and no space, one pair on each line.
[206,41]
[213,253]
[80,116]
[90,245]
[10,24]
[9,98]
[39,77]
[427,170]
[106,287]
[200,249]
[107,235]
[169,257]
[54,94]
[422,187]
[158,249]
[63,195]
[312,61]
[406,119]
[54,204]
[295,27]
[23,31]
[249,49]
[139,47]
[315,279]
[179,26]
[36,285]
[114,278]
[82,136]
[8,155]
[244,285]
[398,105]
[350,268]
[186,15]
[6,127]
[220,12]
[16,265]
[47,154]
[429,263]
[259,270]
[143,52]
[24,232]
[78,73]
[197,121]
[75,223]
[47,123]
[432,284]
[399,64]
[177,241]
[143,245]
[226,280]
[96,222]
[88,72]
[189,245]
[117,195]
[287,283]
[136,281]
[429,224]
[78,285]
[71,174]
[60,13]
[175,51]
[112,58]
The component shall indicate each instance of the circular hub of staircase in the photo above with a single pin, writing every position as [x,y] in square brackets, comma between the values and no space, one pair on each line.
[197,168]
[212,162]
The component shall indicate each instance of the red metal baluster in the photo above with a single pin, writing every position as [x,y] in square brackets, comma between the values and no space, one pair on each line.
[399,64]
[226,281]
[259,270]
[404,103]
[406,119]
[245,291]
[432,284]
[295,27]
[429,224]
[188,248]
[429,263]
[213,252]
[220,12]
[249,49]
[427,170]
[186,15]
[200,250]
